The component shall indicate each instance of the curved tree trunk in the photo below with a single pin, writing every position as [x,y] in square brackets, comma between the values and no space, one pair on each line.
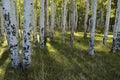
[107,23]
[10,26]
[92,27]
[26,41]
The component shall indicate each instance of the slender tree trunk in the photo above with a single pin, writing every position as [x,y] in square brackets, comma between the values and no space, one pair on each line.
[92,27]
[26,41]
[107,23]
[62,17]
[2,24]
[116,34]
[19,21]
[42,25]
[86,18]
[16,15]
[34,22]
[72,21]
[52,20]
[46,21]
[102,18]
[69,20]
[10,26]
[76,17]
[64,20]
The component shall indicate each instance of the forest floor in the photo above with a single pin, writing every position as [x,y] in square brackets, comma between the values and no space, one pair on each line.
[59,61]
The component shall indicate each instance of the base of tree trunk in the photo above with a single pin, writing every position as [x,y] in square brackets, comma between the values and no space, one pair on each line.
[85,35]
[116,43]
[104,41]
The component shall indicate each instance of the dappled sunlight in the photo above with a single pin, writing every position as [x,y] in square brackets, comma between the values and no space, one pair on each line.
[78,34]
[3,47]
[98,38]
[58,40]
[57,56]
[3,67]
[99,47]
[3,44]
[81,46]
[1,51]
[51,49]
[110,36]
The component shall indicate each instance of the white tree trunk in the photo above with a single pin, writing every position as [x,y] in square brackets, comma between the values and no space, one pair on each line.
[26,41]
[34,22]
[86,18]
[64,20]
[52,20]
[92,27]
[10,26]
[116,34]
[42,25]
[76,17]
[107,22]
[72,21]
[16,15]
[47,7]
[46,21]
[13,13]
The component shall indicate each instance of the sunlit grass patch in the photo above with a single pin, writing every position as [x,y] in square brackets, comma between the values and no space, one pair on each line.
[57,55]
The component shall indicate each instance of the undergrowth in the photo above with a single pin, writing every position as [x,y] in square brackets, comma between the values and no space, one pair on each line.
[60,61]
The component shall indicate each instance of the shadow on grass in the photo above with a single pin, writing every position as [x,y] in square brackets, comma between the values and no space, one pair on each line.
[59,61]
[4,56]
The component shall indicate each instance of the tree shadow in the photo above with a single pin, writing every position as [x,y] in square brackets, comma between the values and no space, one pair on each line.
[63,62]
[76,58]
[83,65]
[4,57]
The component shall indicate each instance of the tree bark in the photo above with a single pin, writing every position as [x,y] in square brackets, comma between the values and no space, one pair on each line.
[64,21]
[92,27]
[42,25]
[107,23]
[86,18]
[34,22]
[116,34]
[46,21]
[52,20]
[76,17]
[72,21]
[2,29]
[26,41]
[10,26]
[16,15]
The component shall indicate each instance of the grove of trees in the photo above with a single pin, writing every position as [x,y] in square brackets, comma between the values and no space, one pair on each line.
[31,23]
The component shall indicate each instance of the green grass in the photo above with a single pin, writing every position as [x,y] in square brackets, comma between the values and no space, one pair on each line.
[59,61]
